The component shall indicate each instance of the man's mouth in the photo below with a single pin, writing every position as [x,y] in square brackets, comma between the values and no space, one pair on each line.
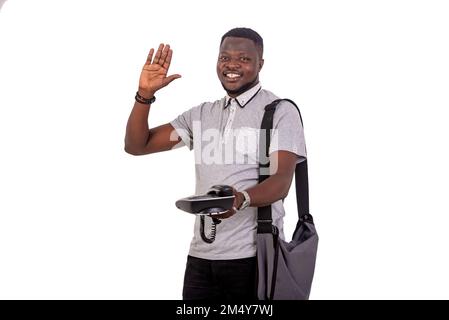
[232,75]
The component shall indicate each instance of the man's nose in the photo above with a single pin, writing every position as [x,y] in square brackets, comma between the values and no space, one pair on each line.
[233,63]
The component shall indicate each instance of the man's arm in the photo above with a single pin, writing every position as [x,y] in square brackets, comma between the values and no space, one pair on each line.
[272,189]
[276,186]
[139,138]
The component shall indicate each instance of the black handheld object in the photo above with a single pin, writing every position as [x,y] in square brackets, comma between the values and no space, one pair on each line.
[217,200]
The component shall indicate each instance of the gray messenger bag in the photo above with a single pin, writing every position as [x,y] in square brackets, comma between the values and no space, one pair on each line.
[285,269]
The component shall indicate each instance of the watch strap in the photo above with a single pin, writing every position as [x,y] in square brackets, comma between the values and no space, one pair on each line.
[246,201]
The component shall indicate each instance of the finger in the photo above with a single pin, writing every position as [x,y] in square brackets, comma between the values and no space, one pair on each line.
[164,55]
[157,57]
[150,57]
[227,214]
[171,78]
[222,216]
[168,59]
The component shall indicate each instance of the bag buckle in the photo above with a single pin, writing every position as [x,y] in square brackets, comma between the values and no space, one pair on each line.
[306,217]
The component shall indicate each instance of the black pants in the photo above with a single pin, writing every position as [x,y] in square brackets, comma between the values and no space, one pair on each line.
[220,279]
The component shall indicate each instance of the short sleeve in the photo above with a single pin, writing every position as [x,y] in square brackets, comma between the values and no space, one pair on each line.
[288,133]
[183,125]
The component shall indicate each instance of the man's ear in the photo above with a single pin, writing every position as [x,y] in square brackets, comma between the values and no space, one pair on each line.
[261,64]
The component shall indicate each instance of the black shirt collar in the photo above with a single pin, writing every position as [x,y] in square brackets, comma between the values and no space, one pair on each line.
[245,97]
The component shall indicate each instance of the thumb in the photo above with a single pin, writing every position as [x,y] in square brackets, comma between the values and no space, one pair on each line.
[169,79]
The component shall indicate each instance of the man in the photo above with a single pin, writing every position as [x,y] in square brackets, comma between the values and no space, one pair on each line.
[225,268]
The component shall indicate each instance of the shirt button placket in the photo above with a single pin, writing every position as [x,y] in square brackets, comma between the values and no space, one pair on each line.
[229,122]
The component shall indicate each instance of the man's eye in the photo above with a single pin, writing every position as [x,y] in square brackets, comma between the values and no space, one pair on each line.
[223,58]
[245,59]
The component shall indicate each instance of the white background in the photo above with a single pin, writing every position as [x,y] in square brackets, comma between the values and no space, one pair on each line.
[81,219]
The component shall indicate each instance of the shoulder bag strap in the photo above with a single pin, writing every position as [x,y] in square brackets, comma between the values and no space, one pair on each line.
[264,216]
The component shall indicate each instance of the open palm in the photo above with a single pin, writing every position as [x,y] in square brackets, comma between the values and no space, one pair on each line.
[154,72]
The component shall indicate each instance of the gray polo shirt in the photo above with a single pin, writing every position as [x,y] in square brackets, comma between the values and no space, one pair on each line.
[224,135]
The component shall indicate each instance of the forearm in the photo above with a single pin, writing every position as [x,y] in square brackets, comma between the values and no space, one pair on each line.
[137,130]
[270,190]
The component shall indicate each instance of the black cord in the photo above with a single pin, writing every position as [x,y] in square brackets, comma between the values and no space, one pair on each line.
[213,230]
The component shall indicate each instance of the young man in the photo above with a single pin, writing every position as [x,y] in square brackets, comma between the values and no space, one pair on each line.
[224,135]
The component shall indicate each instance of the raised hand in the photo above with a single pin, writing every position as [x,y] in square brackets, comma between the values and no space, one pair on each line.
[154,72]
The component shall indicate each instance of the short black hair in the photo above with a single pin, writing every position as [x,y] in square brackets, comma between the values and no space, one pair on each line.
[246,33]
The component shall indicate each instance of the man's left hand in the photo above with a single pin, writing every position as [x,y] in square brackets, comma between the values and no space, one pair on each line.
[238,200]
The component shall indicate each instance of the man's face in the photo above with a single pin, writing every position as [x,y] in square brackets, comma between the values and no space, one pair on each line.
[238,65]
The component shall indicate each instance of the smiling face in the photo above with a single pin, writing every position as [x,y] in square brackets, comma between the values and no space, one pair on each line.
[238,65]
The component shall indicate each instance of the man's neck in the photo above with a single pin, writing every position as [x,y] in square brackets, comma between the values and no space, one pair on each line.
[243,89]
